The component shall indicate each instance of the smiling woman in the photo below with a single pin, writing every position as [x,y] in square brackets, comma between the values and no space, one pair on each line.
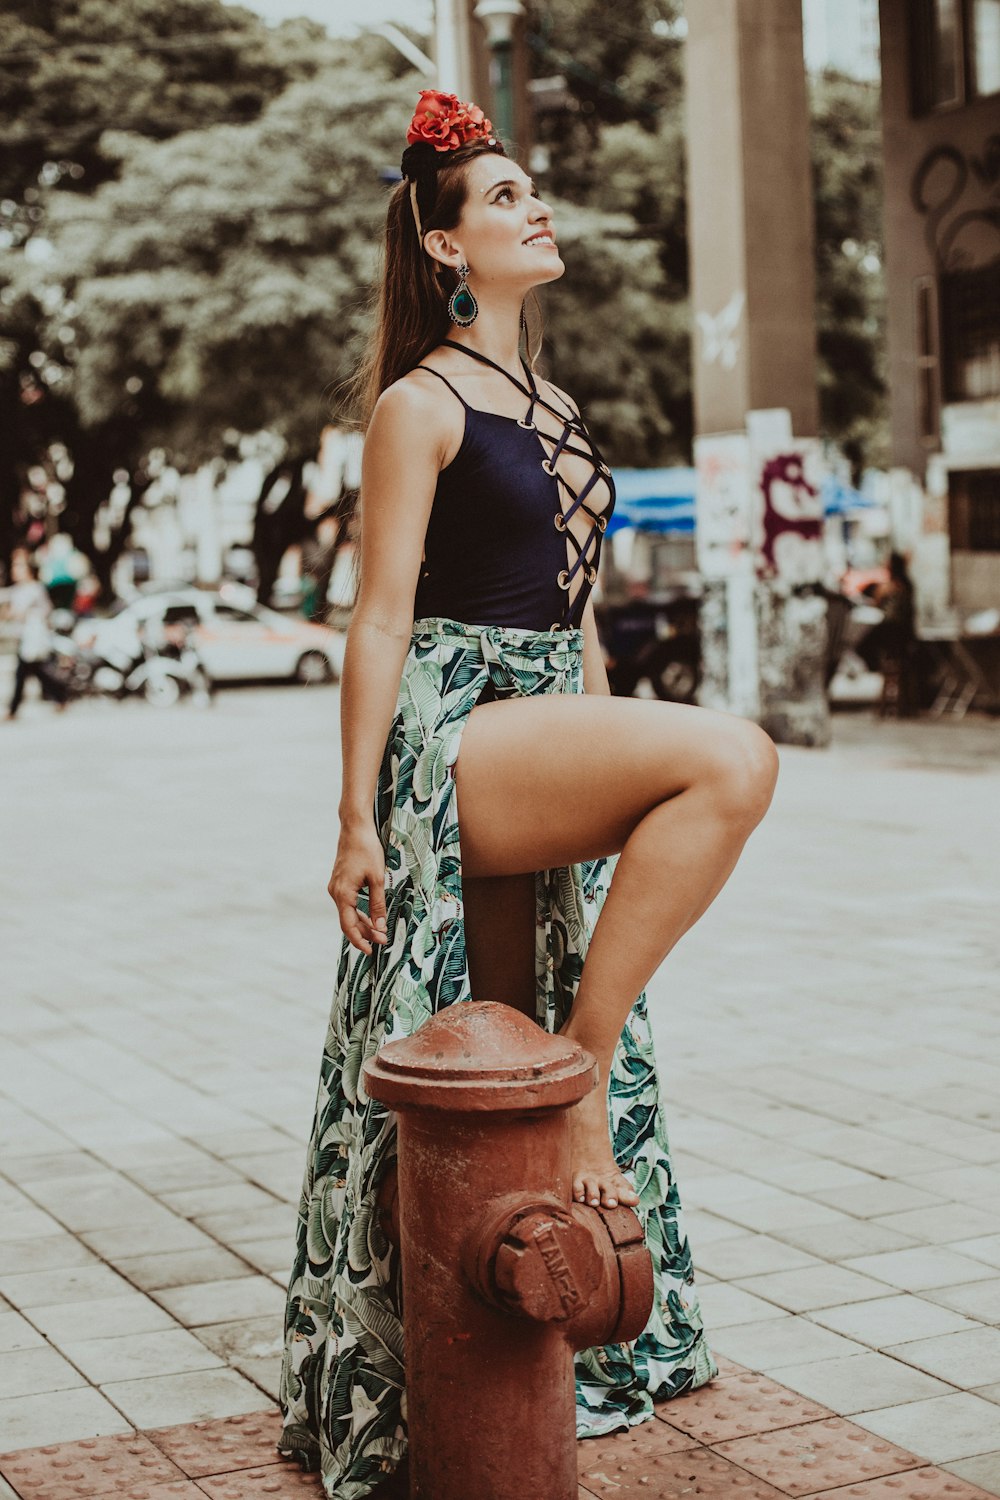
[508,831]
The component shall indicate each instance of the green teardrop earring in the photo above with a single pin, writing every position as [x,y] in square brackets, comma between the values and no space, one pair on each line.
[463,308]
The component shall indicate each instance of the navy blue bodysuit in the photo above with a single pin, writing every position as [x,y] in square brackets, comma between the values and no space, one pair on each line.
[498,550]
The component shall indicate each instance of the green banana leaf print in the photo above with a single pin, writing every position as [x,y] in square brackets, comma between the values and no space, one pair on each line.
[343,1388]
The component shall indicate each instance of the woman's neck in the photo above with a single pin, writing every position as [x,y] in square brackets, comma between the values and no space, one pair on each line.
[496,333]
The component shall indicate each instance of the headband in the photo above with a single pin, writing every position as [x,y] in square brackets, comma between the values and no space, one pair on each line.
[441,124]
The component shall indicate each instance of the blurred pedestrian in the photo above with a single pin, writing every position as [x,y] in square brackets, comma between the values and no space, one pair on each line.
[61,567]
[894,640]
[29,606]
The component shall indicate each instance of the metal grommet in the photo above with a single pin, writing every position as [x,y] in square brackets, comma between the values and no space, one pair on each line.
[591,575]
[559,521]
[528,426]
[603,468]
[602,523]
[547,466]
[563,579]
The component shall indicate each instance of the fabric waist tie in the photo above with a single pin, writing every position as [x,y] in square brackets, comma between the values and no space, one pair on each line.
[513,657]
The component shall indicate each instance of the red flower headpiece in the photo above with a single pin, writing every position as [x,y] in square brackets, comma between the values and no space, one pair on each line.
[442,121]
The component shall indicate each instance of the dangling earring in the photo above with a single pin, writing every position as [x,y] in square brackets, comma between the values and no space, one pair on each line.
[463,308]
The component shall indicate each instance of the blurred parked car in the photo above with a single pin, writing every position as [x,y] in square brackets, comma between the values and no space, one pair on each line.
[236,638]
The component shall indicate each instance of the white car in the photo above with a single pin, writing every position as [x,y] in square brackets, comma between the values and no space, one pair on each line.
[237,638]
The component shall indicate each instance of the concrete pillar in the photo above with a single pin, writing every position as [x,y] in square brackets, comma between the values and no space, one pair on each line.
[750,232]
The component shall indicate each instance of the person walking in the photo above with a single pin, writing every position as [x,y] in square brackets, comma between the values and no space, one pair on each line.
[894,641]
[28,604]
[508,830]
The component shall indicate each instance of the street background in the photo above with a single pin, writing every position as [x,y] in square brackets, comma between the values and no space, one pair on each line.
[827,1037]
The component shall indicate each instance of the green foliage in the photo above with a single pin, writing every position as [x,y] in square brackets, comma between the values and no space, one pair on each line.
[221,281]
[850,302]
[69,69]
[188,222]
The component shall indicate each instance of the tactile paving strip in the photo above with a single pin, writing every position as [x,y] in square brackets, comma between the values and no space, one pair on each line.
[125,1465]
[695,1474]
[633,1458]
[739,1407]
[818,1456]
[284,1480]
[222,1445]
[918,1484]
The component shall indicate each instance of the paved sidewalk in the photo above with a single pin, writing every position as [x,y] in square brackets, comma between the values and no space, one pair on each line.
[828,1040]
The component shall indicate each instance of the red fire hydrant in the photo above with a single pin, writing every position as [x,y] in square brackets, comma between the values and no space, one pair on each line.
[503,1275]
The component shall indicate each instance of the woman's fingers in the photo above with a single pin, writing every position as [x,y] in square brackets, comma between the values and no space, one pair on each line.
[362,930]
[376,903]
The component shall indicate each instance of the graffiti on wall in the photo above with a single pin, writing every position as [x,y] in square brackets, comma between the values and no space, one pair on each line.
[958,196]
[790,539]
[720,340]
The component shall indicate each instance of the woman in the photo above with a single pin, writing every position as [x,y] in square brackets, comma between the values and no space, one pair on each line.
[477,723]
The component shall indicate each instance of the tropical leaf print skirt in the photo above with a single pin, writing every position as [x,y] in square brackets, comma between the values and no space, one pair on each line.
[343,1381]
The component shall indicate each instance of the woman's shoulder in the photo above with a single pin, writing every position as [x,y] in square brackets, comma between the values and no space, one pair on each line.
[413,403]
[411,415]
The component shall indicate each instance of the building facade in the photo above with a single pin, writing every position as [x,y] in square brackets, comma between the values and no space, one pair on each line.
[941,126]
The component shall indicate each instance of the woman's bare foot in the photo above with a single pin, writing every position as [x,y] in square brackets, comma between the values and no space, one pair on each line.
[596,1177]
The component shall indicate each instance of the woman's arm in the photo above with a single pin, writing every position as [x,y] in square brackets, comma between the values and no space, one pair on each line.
[595,676]
[403,454]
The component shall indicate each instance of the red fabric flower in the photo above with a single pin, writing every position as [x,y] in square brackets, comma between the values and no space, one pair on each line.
[445,123]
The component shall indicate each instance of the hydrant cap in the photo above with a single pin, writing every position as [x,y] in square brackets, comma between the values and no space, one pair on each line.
[480,1055]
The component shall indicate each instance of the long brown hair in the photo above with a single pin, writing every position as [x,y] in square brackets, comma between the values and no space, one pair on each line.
[410,297]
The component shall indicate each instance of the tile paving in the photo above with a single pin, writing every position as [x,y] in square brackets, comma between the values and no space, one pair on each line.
[832,1097]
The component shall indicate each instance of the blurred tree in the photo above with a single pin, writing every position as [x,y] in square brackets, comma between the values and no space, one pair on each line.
[71,68]
[219,283]
[850,281]
[157,70]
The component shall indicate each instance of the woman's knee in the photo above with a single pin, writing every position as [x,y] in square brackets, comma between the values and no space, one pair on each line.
[743,766]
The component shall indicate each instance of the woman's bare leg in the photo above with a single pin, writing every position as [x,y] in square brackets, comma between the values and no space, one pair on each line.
[676,791]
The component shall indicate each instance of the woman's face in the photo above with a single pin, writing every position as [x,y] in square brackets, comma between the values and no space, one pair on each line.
[505,234]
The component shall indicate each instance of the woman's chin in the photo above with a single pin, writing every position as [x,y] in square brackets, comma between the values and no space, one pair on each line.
[552,271]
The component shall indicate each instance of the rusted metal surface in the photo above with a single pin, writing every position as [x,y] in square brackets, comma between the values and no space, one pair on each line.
[503,1275]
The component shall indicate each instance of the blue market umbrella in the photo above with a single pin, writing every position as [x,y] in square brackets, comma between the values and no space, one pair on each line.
[663,500]
[654,500]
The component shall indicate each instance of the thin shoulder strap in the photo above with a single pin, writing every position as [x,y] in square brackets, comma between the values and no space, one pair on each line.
[447,382]
[529,390]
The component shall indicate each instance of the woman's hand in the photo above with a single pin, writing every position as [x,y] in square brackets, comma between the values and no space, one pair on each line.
[360,866]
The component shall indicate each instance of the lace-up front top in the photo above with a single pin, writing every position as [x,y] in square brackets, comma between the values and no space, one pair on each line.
[515,531]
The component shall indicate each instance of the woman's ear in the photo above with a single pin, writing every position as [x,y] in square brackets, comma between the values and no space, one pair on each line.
[442,248]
